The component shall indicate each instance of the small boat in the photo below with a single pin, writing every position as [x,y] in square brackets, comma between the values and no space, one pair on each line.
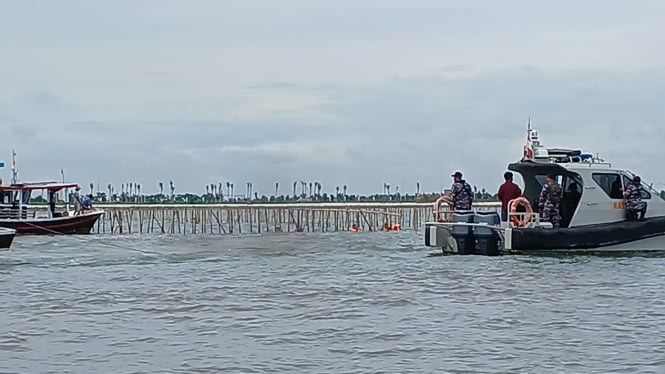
[6,237]
[16,213]
[592,210]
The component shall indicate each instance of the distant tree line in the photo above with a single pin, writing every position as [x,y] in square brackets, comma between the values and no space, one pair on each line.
[224,192]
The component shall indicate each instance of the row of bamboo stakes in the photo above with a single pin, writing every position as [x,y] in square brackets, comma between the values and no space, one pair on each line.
[262,218]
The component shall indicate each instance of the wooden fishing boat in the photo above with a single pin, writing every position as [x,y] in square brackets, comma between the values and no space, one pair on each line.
[16,213]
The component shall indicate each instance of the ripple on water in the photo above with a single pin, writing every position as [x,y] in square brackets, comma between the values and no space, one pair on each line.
[376,302]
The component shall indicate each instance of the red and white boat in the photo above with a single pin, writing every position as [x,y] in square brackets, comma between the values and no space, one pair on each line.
[17,214]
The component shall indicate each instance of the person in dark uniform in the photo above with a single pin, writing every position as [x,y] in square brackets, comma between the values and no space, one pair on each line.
[550,198]
[634,203]
[462,193]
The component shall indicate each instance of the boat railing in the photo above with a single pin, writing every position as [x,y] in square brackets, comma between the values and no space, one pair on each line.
[444,213]
[13,213]
[647,186]
[592,164]
[524,219]
[650,188]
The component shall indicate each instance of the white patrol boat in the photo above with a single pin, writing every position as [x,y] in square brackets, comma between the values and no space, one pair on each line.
[592,209]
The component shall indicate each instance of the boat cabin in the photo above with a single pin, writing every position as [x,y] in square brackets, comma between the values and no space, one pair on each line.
[15,198]
[592,188]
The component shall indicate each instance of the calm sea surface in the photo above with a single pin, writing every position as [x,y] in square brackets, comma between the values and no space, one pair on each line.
[321,303]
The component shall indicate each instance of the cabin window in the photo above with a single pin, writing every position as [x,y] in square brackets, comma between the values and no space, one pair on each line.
[572,187]
[542,178]
[645,194]
[610,183]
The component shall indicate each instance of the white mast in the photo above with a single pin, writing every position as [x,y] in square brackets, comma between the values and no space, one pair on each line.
[14,171]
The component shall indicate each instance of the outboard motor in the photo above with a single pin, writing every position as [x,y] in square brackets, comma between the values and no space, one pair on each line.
[463,234]
[486,238]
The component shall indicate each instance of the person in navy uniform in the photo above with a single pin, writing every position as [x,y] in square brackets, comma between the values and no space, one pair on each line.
[462,193]
[550,198]
[634,203]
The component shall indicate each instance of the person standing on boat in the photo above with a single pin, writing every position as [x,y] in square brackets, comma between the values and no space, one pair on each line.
[550,198]
[462,193]
[508,191]
[77,201]
[634,203]
[51,203]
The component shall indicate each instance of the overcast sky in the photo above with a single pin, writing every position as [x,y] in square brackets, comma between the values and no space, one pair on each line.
[342,92]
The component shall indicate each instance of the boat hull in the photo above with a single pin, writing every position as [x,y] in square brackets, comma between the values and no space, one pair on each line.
[590,237]
[465,238]
[80,224]
[636,236]
[6,238]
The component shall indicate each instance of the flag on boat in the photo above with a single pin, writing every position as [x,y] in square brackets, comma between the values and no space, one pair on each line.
[528,148]
[532,142]
[2,164]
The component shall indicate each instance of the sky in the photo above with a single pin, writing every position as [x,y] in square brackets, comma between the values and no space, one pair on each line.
[357,93]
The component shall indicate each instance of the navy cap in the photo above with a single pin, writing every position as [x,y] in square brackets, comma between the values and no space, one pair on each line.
[457,174]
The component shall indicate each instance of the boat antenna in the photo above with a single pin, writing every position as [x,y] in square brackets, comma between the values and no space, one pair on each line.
[14,171]
[528,125]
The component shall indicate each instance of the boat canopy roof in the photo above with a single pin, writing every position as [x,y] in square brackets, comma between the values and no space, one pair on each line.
[532,167]
[49,186]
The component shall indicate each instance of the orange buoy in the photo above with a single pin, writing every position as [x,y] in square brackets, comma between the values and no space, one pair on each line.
[526,218]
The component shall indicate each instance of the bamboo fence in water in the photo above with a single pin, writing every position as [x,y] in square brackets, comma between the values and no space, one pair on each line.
[262,218]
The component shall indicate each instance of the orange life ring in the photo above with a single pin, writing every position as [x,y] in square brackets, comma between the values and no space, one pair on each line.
[437,207]
[512,206]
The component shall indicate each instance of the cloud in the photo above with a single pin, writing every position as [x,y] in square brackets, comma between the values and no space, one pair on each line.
[401,131]
[359,94]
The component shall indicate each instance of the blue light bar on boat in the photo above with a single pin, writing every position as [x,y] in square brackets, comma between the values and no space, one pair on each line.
[2,164]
